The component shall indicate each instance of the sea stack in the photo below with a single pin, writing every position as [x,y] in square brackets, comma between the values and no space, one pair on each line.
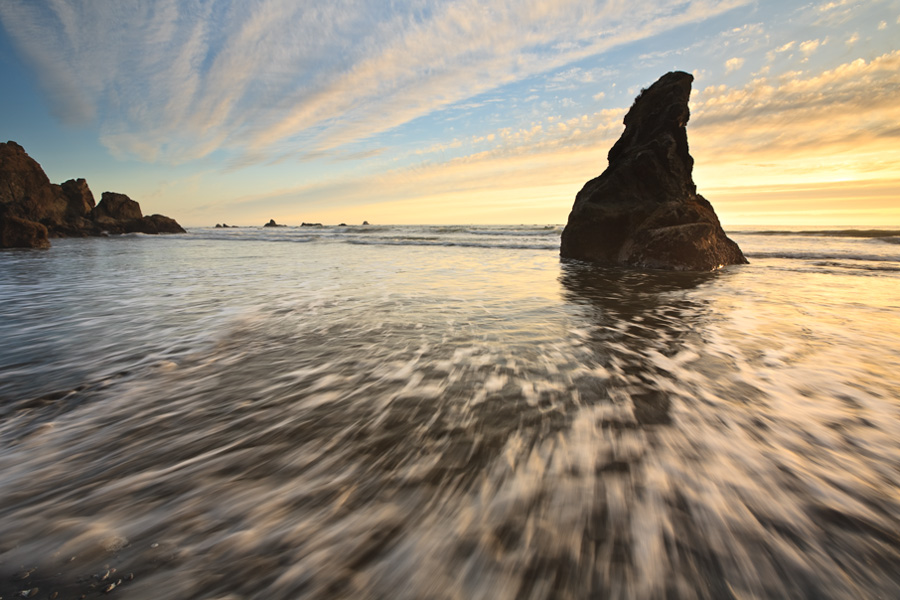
[644,210]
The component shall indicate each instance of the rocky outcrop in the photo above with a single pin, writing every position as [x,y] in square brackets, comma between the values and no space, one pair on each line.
[25,190]
[16,232]
[644,210]
[32,209]
[272,223]
[155,224]
[115,207]
[79,198]
[117,213]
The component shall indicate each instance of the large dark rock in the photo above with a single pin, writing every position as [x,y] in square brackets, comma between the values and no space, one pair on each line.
[117,213]
[16,232]
[272,223]
[32,208]
[115,207]
[79,198]
[644,209]
[157,224]
[76,221]
[25,189]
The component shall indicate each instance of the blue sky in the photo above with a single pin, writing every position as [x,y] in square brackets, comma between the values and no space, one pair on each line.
[451,112]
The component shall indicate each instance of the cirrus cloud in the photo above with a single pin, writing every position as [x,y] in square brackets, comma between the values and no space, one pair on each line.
[175,81]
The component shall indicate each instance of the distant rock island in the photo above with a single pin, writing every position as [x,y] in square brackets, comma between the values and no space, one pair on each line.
[32,209]
[644,210]
[272,223]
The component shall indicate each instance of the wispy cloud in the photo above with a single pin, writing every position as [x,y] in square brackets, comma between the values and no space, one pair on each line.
[733,64]
[765,141]
[809,46]
[174,81]
[834,125]
[854,96]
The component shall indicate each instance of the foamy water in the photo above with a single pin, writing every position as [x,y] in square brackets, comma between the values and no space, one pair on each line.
[424,412]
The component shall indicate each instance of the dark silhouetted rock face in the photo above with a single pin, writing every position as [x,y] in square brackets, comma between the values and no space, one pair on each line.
[32,208]
[16,232]
[79,199]
[117,213]
[158,224]
[272,223]
[644,210]
[116,207]
[25,189]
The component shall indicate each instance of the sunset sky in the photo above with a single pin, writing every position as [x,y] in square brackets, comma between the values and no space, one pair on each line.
[425,111]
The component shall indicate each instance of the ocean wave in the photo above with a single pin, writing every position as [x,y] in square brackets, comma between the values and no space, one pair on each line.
[820,256]
[257,237]
[861,264]
[449,243]
[472,236]
[517,232]
[842,233]
[859,267]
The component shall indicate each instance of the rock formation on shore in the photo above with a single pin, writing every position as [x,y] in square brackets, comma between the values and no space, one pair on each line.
[272,223]
[16,232]
[32,209]
[644,210]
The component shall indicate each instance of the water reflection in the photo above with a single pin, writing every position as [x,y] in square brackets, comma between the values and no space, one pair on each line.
[626,291]
[641,321]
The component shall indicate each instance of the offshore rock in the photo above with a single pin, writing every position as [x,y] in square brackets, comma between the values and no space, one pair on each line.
[644,210]
[115,207]
[157,224]
[117,213]
[33,209]
[272,223]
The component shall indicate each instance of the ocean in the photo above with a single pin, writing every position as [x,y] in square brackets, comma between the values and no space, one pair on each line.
[448,413]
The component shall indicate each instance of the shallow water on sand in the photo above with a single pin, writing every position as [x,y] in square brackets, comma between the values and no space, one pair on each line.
[447,413]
